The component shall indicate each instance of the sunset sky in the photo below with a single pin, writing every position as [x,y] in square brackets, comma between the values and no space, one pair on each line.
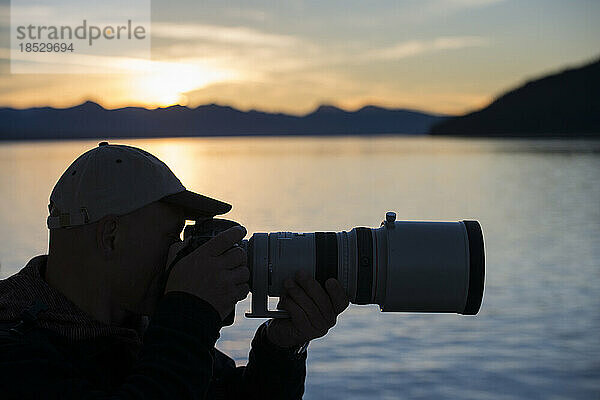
[446,56]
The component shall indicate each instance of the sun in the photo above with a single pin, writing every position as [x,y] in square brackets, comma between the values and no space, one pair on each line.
[161,84]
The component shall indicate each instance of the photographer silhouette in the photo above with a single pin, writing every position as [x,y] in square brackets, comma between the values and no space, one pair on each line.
[99,318]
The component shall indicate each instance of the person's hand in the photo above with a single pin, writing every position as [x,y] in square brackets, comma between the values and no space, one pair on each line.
[216,272]
[313,310]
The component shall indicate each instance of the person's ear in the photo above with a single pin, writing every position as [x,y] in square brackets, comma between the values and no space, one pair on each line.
[106,235]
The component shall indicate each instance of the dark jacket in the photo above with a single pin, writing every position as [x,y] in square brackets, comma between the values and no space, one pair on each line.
[63,353]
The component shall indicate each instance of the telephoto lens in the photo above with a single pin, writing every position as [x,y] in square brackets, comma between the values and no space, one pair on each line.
[410,266]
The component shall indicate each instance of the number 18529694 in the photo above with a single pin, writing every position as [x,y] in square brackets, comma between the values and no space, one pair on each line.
[46,47]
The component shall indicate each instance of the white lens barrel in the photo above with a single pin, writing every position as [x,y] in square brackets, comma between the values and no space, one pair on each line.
[411,266]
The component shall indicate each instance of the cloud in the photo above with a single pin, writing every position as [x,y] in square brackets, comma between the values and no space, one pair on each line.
[252,52]
[258,55]
[469,3]
[419,12]
[249,14]
[416,47]
[240,35]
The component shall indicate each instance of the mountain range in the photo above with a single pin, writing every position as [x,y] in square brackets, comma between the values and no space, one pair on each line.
[90,120]
[565,104]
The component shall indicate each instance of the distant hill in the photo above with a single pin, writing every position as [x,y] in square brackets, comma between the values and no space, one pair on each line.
[566,104]
[90,120]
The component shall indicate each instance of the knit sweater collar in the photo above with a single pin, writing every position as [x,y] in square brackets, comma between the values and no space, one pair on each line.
[21,290]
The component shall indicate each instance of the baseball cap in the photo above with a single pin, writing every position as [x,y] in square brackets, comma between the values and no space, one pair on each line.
[118,179]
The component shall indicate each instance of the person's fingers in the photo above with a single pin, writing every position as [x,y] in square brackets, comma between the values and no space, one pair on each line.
[280,303]
[233,257]
[174,249]
[224,240]
[298,317]
[296,293]
[318,295]
[337,294]
[238,275]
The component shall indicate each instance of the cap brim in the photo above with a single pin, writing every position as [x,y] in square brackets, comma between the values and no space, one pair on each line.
[197,206]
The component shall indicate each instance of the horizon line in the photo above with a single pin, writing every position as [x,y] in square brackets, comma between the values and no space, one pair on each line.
[315,109]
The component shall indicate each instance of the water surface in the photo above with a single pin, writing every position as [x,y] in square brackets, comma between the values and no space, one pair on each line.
[538,333]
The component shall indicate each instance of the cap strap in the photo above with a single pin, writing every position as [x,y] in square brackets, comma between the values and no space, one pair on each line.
[65,219]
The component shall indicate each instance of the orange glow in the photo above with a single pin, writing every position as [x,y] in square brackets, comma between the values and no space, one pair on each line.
[162,84]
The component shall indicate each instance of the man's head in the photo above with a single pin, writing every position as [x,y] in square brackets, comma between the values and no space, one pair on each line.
[114,213]
[120,258]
